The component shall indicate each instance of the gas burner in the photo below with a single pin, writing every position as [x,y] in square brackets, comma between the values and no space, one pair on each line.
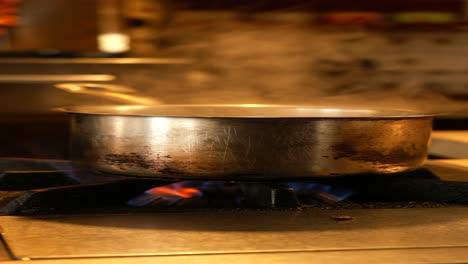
[239,194]
[29,186]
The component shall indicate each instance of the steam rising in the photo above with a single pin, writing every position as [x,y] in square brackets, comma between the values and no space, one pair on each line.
[276,58]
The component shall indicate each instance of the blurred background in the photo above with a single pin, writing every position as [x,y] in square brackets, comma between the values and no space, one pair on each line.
[392,53]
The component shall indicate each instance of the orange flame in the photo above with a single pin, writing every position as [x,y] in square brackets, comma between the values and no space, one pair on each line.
[170,194]
[184,192]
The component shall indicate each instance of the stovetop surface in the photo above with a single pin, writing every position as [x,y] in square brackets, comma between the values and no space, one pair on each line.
[377,227]
[228,232]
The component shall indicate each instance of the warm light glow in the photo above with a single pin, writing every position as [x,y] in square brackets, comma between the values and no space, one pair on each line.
[74,88]
[160,127]
[188,123]
[119,127]
[129,107]
[338,110]
[254,105]
[69,87]
[109,91]
[330,110]
[113,42]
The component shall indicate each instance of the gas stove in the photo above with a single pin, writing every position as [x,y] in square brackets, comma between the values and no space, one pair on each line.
[52,213]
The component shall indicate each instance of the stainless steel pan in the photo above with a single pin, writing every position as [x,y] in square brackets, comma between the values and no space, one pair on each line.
[243,142]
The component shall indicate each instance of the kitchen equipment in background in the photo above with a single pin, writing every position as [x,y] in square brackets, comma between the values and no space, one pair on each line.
[391,15]
[424,18]
[351,18]
[450,144]
[9,19]
[9,16]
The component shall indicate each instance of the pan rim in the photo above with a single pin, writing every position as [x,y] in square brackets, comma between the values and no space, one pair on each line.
[321,112]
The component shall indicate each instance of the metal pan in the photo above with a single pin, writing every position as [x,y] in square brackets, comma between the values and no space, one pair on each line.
[244,142]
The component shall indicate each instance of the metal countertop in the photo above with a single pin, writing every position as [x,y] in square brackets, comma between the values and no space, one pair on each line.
[236,232]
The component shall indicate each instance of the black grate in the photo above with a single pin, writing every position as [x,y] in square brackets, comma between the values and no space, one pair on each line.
[44,186]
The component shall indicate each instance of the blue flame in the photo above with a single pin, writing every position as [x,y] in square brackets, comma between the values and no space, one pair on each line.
[306,192]
[336,194]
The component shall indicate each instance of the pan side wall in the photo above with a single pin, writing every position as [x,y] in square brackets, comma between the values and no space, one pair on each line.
[243,148]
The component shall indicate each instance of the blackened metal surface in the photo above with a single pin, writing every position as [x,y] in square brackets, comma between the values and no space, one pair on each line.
[27,180]
[41,135]
[451,124]
[74,197]
[29,164]
[415,186]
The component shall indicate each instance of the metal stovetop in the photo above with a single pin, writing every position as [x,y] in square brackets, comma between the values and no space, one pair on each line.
[196,234]
[398,235]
